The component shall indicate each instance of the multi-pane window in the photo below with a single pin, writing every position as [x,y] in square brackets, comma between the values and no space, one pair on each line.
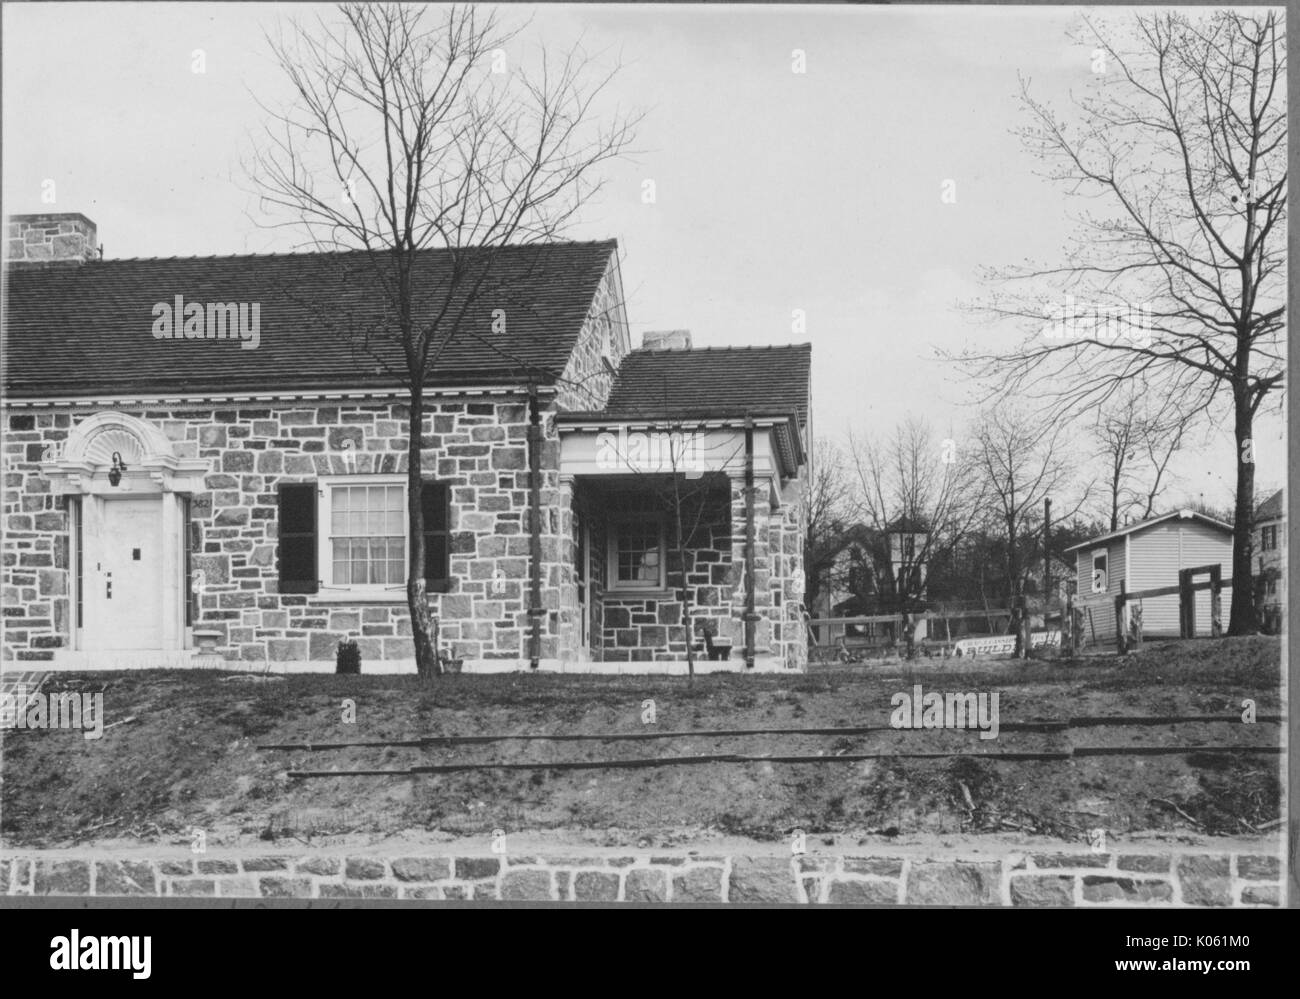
[638,554]
[350,533]
[1268,538]
[367,535]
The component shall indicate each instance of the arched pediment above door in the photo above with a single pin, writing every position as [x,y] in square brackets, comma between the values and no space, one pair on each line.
[144,456]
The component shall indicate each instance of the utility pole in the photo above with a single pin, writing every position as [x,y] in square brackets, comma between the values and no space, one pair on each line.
[1047,549]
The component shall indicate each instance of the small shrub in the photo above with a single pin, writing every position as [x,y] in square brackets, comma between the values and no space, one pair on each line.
[348,657]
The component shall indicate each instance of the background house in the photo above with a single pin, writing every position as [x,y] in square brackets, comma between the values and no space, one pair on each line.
[1269,546]
[1148,555]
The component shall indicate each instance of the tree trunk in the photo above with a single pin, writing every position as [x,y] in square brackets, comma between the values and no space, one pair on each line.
[1242,621]
[417,599]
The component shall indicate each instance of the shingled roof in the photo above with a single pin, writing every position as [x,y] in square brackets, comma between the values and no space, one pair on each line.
[1271,508]
[80,329]
[712,381]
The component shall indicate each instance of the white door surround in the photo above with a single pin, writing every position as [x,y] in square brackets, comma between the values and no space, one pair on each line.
[133,589]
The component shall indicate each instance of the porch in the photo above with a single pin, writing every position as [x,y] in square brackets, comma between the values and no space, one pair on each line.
[694,543]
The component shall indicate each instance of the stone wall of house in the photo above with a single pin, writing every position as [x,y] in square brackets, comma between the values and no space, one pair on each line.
[35,557]
[1193,878]
[586,381]
[780,630]
[651,629]
[638,628]
[787,531]
[477,445]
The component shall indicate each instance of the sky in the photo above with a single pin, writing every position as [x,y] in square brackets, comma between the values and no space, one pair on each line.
[775,191]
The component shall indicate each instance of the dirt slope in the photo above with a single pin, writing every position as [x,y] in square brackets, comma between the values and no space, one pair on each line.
[190,757]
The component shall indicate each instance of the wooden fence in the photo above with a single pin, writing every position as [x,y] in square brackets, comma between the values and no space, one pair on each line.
[829,637]
[1128,620]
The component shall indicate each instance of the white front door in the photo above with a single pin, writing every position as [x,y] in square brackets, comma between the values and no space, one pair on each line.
[122,572]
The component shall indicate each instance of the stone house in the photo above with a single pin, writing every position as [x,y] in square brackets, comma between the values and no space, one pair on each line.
[204,462]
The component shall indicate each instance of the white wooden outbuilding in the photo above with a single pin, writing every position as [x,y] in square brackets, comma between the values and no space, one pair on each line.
[1148,555]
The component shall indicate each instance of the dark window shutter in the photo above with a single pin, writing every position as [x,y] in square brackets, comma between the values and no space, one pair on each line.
[297,529]
[434,498]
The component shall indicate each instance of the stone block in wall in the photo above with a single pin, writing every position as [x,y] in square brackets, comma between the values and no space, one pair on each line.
[1055,890]
[943,883]
[124,878]
[323,645]
[365,869]
[642,885]
[698,884]
[476,868]
[761,879]
[1205,880]
[286,649]
[282,887]
[421,868]
[62,877]
[1258,868]
[1133,891]
[526,886]
[595,886]
[322,866]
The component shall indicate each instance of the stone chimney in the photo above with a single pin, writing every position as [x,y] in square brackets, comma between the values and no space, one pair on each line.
[666,340]
[60,236]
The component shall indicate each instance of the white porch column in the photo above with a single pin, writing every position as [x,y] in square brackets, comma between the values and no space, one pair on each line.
[172,608]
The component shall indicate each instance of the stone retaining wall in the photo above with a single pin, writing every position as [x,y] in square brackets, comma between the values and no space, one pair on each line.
[1187,879]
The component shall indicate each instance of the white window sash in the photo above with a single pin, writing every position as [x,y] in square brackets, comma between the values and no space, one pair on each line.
[326,485]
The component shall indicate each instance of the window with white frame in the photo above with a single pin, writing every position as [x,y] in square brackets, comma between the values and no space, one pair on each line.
[350,533]
[1099,571]
[365,533]
[636,553]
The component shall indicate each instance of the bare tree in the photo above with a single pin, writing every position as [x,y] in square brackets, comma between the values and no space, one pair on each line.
[828,534]
[914,478]
[405,136]
[1138,434]
[1179,264]
[1021,462]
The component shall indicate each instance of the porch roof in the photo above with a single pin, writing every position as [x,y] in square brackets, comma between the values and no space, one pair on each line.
[784,427]
[718,381]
